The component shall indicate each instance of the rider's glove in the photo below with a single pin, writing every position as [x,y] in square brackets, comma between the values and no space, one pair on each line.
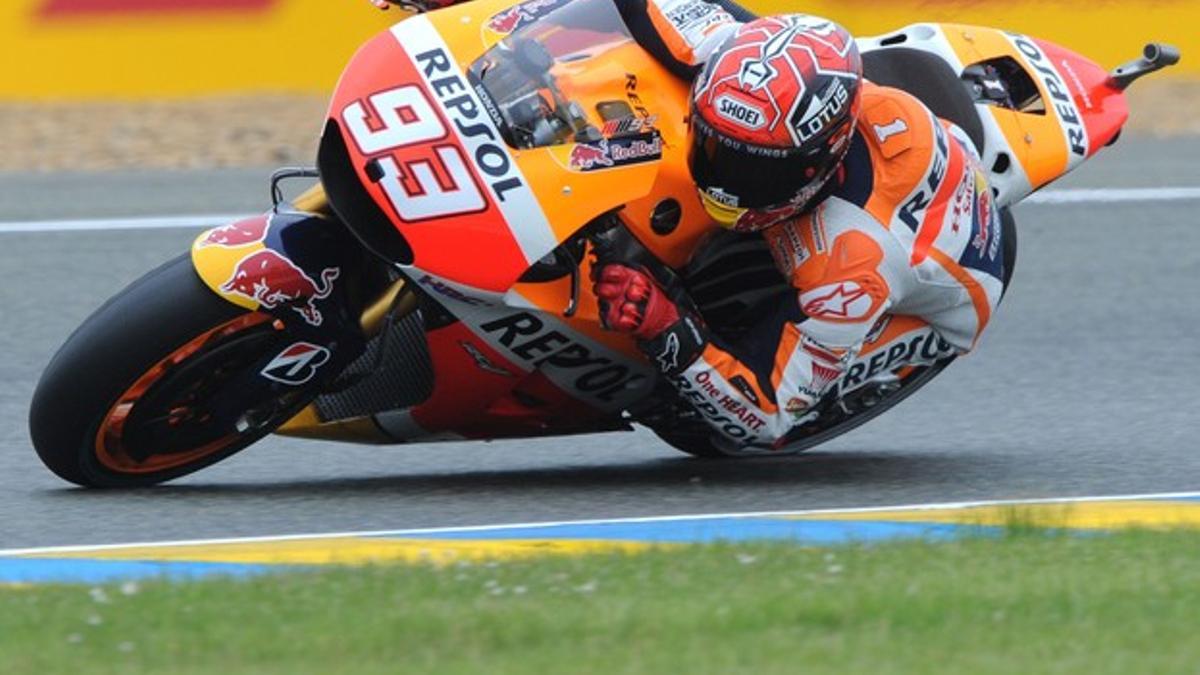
[632,302]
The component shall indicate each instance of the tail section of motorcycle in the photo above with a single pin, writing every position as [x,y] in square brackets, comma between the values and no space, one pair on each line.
[1041,109]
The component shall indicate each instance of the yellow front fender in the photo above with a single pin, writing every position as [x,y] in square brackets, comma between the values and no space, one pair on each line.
[217,252]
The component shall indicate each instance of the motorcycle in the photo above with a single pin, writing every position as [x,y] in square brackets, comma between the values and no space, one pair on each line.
[429,286]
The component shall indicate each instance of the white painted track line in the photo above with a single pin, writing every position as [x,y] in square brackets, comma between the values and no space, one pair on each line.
[108,224]
[1113,195]
[197,222]
[48,550]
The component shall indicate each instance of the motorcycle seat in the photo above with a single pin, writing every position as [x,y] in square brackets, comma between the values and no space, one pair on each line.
[931,80]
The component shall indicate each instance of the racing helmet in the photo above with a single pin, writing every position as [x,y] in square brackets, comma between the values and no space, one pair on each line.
[772,115]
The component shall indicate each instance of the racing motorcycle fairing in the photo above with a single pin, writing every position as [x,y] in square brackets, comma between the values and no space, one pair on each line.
[1045,109]
[529,376]
[479,152]
[568,112]
[521,368]
[484,164]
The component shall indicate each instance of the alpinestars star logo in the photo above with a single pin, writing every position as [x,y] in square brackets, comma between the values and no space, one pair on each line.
[842,301]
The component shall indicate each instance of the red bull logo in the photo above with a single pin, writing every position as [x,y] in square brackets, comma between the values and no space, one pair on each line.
[985,240]
[240,233]
[518,15]
[585,156]
[272,280]
[753,220]
[506,22]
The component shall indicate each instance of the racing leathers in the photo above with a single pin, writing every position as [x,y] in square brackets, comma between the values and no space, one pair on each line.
[901,265]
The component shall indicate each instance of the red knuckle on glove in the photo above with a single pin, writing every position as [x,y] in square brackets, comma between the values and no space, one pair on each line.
[608,291]
[614,273]
[631,301]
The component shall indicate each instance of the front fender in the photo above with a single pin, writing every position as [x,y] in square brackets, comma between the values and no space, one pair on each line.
[303,269]
[295,266]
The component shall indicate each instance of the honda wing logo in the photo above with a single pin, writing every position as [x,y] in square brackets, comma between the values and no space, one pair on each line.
[481,360]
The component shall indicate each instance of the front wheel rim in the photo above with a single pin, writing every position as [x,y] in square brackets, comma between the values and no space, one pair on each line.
[111,447]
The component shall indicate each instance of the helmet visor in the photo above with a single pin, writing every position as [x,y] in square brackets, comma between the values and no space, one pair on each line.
[752,177]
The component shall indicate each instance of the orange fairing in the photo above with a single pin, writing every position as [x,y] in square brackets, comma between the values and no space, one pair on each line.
[431,141]
[1036,139]
[410,157]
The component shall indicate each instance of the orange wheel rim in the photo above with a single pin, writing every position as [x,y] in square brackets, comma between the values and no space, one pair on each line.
[110,446]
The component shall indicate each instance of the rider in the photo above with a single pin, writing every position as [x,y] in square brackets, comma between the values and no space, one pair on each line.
[876,211]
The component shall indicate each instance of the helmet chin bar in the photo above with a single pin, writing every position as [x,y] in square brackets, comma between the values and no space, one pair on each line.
[725,215]
[755,219]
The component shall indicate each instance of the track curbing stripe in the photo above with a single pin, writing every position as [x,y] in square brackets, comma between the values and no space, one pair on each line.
[483,529]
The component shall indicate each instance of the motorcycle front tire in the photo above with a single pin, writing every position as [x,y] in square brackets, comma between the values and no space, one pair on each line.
[135,396]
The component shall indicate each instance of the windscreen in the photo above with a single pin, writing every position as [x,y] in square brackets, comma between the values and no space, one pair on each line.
[528,73]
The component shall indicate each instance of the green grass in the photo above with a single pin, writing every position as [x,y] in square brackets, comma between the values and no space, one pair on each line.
[1025,603]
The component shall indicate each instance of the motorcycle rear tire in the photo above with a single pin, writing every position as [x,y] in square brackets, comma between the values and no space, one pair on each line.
[140,333]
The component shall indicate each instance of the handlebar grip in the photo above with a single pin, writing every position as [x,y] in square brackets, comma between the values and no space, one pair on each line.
[613,243]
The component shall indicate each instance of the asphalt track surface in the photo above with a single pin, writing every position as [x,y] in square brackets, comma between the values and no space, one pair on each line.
[1086,384]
